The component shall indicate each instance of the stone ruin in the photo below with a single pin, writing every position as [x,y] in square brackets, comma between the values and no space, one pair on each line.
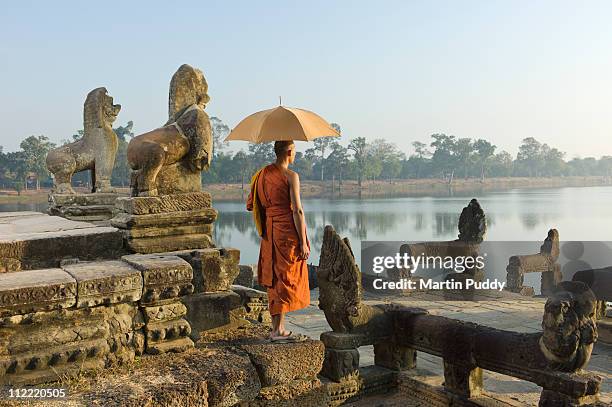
[600,282]
[544,262]
[472,228]
[200,338]
[553,359]
[95,151]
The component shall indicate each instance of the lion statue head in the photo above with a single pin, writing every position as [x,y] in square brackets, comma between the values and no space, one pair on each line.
[187,87]
[569,327]
[99,110]
[188,98]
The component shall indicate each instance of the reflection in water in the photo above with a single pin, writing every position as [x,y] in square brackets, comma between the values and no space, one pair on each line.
[518,215]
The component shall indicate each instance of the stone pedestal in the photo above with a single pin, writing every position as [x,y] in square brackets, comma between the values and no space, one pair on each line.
[94,207]
[393,356]
[166,223]
[341,355]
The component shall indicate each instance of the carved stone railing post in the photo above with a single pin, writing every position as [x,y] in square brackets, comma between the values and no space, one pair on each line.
[341,355]
[394,356]
[464,381]
[544,262]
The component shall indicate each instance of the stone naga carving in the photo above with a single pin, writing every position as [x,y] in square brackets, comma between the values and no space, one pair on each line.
[340,291]
[95,151]
[170,159]
[569,327]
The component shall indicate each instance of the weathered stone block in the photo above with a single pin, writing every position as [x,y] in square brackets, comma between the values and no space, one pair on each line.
[246,275]
[340,363]
[40,241]
[177,346]
[169,243]
[254,303]
[83,199]
[166,312]
[39,346]
[337,340]
[209,310]
[302,393]
[200,216]
[157,332]
[283,363]
[83,213]
[8,264]
[139,232]
[214,269]
[83,207]
[105,282]
[36,290]
[164,277]
[144,205]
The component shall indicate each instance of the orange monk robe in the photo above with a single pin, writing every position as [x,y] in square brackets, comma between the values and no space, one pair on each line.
[279,269]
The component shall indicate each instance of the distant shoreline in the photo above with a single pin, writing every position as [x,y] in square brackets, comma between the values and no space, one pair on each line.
[370,189]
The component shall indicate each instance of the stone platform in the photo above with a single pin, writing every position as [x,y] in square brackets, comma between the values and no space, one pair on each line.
[501,310]
[33,240]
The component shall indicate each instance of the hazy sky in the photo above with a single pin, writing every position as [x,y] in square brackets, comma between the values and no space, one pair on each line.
[402,70]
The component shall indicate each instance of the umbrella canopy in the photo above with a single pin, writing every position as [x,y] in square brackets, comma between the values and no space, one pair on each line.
[282,123]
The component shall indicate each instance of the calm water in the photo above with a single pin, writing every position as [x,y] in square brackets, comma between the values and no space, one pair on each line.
[514,215]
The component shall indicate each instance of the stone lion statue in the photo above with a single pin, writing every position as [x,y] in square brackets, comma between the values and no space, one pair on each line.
[95,151]
[569,327]
[170,159]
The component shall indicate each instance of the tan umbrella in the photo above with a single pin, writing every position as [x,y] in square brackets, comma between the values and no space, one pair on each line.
[282,123]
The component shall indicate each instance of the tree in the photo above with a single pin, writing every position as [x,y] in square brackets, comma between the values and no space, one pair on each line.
[552,163]
[484,152]
[338,160]
[261,154]
[502,164]
[122,132]
[529,156]
[443,159]
[35,151]
[121,169]
[388,157]
[358,147]
[15,170]
[220,131]
[302,165]
[243,165]
[416,161]
[463,150]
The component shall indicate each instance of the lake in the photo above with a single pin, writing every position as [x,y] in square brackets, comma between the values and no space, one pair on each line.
[521,215]
[512,215]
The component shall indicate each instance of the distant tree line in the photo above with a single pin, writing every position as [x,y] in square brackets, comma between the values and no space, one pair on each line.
[330,158]
[444,157]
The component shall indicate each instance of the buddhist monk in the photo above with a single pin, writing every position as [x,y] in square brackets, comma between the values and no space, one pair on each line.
[279,217]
